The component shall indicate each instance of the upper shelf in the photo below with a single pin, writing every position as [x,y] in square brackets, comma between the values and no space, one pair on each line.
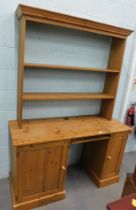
[75,68]
[54,18]
[28,96]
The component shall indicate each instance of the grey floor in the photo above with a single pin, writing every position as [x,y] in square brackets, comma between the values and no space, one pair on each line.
[82,194]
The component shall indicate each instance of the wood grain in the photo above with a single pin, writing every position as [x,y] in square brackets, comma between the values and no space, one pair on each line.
[71,21]
[22,32]
[40,147]
[119,35]
[104,167]
[42,172]
[112,81]
[65,96]
[114,155]
[74,68]
[89,139]
[37,201]
[58,129]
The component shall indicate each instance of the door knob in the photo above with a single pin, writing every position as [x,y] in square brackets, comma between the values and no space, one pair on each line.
[108,157]
[63,168]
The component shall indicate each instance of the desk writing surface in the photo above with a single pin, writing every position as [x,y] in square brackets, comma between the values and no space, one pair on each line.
[58,129]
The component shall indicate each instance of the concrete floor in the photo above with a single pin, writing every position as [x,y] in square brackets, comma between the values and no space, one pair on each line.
[82,194]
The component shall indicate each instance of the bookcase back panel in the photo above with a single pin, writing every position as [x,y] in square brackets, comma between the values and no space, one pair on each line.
[45,109]
[56,45]
[63,81]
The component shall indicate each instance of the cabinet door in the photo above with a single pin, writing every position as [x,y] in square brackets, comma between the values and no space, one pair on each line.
[41,169]
[102,159]
[114,155]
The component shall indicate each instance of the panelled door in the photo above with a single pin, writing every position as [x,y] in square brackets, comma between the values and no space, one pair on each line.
[41,169]
[114,155]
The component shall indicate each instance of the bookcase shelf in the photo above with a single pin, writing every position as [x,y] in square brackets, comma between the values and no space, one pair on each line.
[74,68]
[65,96]
[116,35]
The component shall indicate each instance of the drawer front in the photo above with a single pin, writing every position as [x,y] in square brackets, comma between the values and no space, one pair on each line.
[114,154]
[90,139]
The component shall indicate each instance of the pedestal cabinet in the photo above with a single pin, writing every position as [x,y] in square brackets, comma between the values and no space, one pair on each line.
[102,159]
[38,173]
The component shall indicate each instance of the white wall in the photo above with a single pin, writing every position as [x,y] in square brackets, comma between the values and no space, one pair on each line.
[116,12]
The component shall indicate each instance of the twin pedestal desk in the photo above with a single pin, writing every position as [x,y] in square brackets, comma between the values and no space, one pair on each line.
[40,154]
[39,148]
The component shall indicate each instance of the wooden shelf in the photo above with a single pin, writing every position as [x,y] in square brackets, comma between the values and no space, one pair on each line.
[118,39]
[75,68]
[65,96]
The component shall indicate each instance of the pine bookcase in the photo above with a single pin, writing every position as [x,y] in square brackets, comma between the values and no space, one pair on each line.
[39,147]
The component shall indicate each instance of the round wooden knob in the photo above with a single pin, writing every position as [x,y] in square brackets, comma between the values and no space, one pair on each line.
[63,168]
[108,157]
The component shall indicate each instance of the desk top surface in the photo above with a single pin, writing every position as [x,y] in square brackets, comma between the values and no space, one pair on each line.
[58,129]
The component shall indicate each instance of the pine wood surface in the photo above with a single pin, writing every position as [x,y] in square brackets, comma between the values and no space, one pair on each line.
[40,147]
[119,35]
[43,200]
[74,68]
[40,15]
[112,80]
[50,160]
[57,129]
[22,33]
[104,167]
[30,96]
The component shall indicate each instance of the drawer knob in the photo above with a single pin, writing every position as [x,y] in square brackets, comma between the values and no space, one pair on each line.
[108,157]
[63,168]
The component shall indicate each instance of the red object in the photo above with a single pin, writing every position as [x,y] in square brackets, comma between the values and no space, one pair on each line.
[130,116]
[124,203]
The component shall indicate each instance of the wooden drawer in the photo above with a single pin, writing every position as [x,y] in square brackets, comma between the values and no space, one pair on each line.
[90,139]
